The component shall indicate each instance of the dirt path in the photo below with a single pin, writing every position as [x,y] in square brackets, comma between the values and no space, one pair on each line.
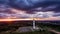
[52,30]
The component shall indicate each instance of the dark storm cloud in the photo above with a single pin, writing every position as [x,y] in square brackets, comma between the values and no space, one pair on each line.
[4,1]
[30,4]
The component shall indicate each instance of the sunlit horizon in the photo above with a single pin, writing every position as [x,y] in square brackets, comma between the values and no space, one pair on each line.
[37,19]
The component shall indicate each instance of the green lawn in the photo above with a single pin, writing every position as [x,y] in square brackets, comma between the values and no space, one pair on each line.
[43,26]
[35,32]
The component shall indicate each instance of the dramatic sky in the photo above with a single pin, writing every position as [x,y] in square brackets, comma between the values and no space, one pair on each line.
[29,8]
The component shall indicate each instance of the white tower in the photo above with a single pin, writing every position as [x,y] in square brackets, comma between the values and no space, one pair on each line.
[34,23]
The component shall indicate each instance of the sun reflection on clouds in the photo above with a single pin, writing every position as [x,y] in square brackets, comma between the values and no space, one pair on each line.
[12,10]
[20,13]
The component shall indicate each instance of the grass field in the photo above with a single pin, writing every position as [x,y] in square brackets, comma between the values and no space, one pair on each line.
[35,32]
[14,27]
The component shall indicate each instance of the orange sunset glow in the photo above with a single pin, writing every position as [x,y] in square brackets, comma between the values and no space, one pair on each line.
[51,18]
